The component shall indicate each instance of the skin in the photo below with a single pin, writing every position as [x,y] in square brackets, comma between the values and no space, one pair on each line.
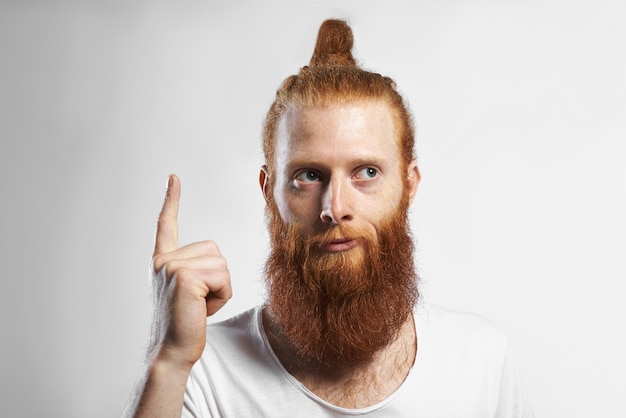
[339,164]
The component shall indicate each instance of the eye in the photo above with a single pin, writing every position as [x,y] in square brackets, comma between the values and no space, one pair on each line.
[366,173]
[308,176]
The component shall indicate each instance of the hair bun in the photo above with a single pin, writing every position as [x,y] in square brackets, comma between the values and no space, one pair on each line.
[334,45]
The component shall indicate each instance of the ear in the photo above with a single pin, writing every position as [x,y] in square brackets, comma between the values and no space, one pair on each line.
[414,177]
[263,181]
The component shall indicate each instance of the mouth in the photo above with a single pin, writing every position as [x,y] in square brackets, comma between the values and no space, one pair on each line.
[340,244]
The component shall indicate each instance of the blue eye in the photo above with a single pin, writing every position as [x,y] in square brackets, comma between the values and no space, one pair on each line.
[367,173]
[308,176]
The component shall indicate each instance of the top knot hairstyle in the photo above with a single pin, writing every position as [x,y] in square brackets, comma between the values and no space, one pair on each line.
[333,77]
[334,45]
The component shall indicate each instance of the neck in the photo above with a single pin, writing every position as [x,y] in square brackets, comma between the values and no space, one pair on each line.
[351,386]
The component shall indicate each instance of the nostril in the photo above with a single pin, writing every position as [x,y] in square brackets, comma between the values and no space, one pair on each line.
[327,217]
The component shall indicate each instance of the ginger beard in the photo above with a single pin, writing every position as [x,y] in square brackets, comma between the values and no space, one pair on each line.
[337,310]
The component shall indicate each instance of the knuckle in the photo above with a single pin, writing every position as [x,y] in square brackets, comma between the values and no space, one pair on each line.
[228,291]
[224,283]
[184,277]
[222,277]
[210,247]
[221,263]
[161,222]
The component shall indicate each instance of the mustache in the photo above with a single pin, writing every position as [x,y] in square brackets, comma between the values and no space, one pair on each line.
[338,233]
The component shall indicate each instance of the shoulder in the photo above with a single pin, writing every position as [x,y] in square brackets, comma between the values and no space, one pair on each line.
[429,311]
[241,331]
[450,329]
[234,348]
[432,316]
[458,347]
[225,380]
[465,357]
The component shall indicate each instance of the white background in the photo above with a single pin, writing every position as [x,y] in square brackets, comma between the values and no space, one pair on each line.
[520,108]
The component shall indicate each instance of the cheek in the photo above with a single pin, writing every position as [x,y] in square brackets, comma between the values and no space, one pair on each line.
[387,204]
[282,206]
[280,199]
[292,208]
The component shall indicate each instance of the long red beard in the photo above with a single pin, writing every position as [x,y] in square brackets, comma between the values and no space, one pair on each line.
[340,309]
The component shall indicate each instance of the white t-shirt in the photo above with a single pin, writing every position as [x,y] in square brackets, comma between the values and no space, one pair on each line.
[463,368]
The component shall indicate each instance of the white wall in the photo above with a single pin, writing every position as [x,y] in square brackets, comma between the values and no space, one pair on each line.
[520,109]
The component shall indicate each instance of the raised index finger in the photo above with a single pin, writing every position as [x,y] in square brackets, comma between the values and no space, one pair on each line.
[167,225]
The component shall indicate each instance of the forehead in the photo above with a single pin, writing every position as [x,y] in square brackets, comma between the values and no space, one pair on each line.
[357,129]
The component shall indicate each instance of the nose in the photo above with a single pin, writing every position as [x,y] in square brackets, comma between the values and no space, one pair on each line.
[336,205]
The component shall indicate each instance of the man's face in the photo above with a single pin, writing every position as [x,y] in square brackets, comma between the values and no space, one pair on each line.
[339,165]
[340,274]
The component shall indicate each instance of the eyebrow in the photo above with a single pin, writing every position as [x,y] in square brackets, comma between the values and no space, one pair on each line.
[316,163]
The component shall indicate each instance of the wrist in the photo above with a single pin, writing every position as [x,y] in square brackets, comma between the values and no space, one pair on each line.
[168,360]
[163,389]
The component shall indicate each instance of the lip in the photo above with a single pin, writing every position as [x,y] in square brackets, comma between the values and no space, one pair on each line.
[341,244]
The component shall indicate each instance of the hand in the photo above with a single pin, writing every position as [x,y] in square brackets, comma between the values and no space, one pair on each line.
[190,283]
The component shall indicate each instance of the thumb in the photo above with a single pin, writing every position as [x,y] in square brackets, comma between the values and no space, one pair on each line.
[167,224]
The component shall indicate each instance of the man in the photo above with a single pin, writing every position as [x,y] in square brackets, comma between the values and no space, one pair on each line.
[340,334]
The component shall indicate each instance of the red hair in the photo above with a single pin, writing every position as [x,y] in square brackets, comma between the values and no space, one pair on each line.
[332,77]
